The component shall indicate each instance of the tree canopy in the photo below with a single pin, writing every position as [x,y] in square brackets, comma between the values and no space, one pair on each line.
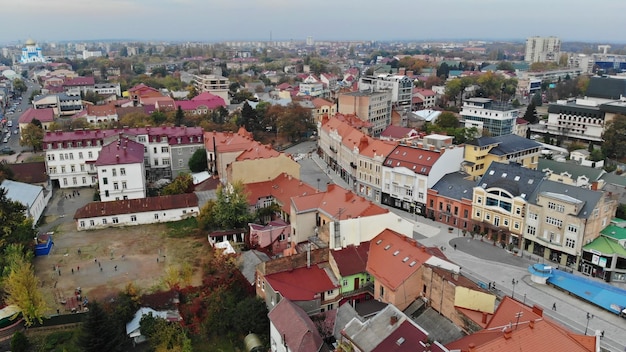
[198,161]
[614,136]
[183,183]
[32,136]
[230,209]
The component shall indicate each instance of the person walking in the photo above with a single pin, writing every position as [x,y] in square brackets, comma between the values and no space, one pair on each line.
[454,246]
[554,306]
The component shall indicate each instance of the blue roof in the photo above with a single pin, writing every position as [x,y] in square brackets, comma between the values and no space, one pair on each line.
[599,293]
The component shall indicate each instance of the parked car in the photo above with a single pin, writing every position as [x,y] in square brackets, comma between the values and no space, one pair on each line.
[6,151]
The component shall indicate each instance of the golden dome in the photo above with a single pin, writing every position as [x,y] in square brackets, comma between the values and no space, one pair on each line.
[30,42]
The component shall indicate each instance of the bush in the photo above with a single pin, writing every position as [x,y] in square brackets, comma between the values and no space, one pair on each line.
[19,342]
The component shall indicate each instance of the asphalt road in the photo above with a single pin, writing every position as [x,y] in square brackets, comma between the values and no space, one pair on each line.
[14,141]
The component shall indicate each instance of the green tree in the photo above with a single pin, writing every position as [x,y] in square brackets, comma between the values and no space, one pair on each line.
[139,68]
[22,286]
[183,183]
[192,92]
[98,333]
[179,117]
[447,120]
[505,66]
[19,342]
[19,86]
[531,113]
[163,335]
[198,161]
[32,136]
[230,209]
[614,137]
[158,117]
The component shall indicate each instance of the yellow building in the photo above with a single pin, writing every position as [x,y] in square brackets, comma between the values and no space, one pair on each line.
[261,164]
[500,199]
[481,152]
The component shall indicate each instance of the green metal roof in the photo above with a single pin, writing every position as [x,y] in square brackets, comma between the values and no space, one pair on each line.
[606,246]
[614,232]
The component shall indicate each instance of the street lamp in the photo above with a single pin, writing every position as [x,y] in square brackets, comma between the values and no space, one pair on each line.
[589,317]
[514,282]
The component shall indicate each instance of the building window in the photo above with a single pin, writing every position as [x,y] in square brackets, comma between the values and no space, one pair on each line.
[479,200]
[122,171]
[64,182]
[165,149]
[104,221]
[105,181]
[116,220]
[345,282]
[554,221]
[180,163]
[571,243]
[531,230]
[74,181]
[156,216]
[532,216]
[572,228]
[92,223]
[133,218]
[166,162]
[116,186]
[80,155]
[114,171]
[124,185]
[382,291]
[106,193]
[82,223]
[89,155]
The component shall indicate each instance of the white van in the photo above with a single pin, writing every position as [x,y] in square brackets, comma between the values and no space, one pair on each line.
[10,123]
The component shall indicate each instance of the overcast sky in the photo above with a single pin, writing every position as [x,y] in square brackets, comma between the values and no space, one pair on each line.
[218,20]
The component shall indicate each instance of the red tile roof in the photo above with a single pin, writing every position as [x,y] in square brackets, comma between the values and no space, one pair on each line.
[407,337]
[520,121]
[424,92]
[418,160]
[187,135]
[352,259]
[337,201]
[378,148]
[398,132]
[301,284]
[43,115]
[229,141]
[34,172]
[120,152]
[189,105]
[206,96]
[394,257]
[129,206]
[298,330]
[533,333]
[101,110]
[79,81]
[259,151]
[284,86]
[140,88]
[282,188]
[319,102]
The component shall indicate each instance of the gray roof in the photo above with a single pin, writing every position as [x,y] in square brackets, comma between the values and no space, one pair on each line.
[570,194]
[248,261]
[572,108]
[21,192]
[345,313]
[575,170]
[616,107]
[513,178]
[455,186]
[439,328]
[615,179]
[367,335]
[506,144]
[606,88]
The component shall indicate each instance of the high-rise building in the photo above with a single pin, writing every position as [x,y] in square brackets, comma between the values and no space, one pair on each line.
[542,49]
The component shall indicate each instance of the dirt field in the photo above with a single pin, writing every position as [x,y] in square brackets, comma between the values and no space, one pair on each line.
[141,254]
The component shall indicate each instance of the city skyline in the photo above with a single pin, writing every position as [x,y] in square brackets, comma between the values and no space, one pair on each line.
[220,20]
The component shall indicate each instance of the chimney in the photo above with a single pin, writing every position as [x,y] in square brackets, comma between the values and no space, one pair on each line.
[442,150]
[531,324]
[393,320]
[308,256]
[431,147]
[484,318]
[594,186]
[538,310]
[471,347]
[117,157]
[420,145]
[507,334]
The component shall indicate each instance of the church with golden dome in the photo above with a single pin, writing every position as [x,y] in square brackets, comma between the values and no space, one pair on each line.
[31,53]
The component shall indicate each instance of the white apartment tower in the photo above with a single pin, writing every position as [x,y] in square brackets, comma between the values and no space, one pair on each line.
[542,49]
